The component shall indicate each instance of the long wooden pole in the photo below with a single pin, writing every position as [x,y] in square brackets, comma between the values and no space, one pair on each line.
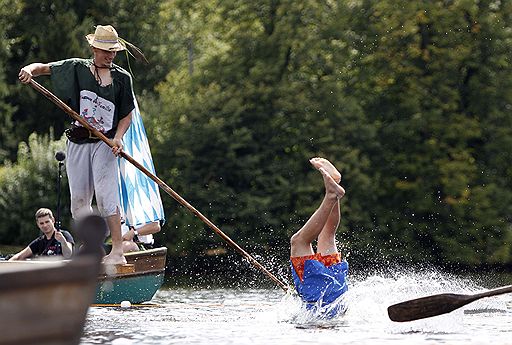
[158,181]
[434,305]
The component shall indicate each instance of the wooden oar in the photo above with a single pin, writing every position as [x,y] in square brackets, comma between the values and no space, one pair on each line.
[161,183]
[421,308]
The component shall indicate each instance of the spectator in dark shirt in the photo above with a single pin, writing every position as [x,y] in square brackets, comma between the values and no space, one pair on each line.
[52,242]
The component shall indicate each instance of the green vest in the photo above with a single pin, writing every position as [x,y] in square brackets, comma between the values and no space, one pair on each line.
[101,106]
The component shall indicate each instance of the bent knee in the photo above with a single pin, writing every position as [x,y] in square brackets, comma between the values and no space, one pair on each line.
[296,240]
[129,246]
[299,246]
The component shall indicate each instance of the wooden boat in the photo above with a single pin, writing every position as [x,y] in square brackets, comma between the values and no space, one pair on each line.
[46,302]
[136,282]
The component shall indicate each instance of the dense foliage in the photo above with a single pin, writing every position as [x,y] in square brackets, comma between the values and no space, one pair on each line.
[27,185]
[412,100]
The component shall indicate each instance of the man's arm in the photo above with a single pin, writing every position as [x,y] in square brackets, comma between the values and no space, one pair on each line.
[149,229]
[24,254]
[146,229]
[67,247]
[33,70]
[122,127]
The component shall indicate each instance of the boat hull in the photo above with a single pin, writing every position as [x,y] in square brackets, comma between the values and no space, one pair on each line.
[138,284]
[45,303]
[135,289]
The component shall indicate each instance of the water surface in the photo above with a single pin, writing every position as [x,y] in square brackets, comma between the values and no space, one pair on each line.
[268,316]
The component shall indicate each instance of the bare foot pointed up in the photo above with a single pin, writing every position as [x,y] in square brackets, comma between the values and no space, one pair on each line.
[332,189]
[319,162]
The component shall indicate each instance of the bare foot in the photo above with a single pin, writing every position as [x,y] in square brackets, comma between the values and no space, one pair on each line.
[332,189]
[114,259]
[318,163]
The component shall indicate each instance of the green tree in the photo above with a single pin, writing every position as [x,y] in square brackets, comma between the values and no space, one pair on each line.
[423,70]
[10,11]
[27,185]
[263,96]
[410,99]
[52,30]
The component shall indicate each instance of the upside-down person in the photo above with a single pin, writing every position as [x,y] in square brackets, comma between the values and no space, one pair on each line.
[320,278]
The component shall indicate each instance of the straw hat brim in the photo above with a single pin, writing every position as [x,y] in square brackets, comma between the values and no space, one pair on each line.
[110,46]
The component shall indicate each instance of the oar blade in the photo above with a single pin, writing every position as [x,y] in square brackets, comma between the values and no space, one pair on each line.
[424,307]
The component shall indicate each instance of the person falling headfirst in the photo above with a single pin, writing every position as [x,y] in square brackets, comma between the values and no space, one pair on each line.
[101,92]
[320,278]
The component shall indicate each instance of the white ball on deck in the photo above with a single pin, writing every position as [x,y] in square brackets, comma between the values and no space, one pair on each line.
[126,304]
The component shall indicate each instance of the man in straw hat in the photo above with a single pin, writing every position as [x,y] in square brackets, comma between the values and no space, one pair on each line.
[101,92]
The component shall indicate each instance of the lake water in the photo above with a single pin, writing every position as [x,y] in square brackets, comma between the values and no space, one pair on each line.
[269,316]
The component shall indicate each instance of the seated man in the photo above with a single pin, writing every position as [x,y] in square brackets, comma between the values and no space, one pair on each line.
[320,278]
[142,234]
[52,242]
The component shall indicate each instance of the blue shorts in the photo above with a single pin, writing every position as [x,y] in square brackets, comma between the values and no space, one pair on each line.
[321,285]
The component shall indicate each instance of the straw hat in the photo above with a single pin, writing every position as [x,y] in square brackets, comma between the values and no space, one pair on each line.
[106,38]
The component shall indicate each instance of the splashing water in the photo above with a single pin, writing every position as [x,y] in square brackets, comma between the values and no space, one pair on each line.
[268,316]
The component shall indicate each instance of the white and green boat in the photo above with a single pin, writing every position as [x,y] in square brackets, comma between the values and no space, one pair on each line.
[136,282]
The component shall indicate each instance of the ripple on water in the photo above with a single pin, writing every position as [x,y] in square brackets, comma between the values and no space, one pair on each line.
[268,316]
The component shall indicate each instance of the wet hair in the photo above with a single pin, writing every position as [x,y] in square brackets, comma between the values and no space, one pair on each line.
[43,212]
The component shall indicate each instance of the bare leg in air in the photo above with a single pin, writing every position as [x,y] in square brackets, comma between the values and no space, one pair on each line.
[323,223]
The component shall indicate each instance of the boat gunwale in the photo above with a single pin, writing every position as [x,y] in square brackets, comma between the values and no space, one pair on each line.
[105,277]
[160,251]
[79,270]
